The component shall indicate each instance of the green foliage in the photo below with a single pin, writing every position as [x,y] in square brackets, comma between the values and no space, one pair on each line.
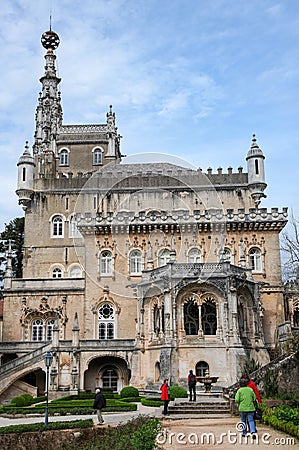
[18,401]
[250,366]
[144,438]
[270,383]
[156,403]
[137,434]
[178,392]
[282,417]
[42,427]
[287,414]
[129,391]
[131,399]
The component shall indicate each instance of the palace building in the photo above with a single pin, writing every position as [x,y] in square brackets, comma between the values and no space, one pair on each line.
[135,271]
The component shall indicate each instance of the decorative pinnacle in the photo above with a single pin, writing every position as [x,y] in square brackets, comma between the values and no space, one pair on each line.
[50,40]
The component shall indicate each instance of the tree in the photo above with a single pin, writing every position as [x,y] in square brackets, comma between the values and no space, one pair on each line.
[14,232]
[290,248]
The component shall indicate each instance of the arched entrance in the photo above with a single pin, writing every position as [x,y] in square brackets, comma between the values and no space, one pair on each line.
[109,372]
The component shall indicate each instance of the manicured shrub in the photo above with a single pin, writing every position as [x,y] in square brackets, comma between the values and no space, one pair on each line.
[156,403]
[28,399]
[178,392]
[129,391]
[18,401]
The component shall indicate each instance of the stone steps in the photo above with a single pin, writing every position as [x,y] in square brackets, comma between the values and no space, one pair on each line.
[203,407]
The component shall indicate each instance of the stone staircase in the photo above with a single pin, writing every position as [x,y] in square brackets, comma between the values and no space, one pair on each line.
[212,406]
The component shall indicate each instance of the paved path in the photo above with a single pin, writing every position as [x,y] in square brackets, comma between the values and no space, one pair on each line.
[187,434]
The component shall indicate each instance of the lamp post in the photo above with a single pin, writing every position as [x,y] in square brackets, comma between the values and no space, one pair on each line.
[48,361]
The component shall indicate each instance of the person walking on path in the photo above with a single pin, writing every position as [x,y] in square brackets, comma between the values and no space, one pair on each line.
[246,399]
[192,385]
[165,395]
[98,404]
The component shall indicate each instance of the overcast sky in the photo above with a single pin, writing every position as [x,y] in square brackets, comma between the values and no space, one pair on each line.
[190,78]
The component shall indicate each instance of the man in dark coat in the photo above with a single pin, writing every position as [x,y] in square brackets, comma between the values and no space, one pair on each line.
[98,404]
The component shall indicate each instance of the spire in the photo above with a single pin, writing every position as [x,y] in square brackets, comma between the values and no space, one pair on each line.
[48,112]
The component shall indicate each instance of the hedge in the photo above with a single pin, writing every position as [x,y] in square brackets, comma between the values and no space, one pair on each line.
[152,402]
[42,427]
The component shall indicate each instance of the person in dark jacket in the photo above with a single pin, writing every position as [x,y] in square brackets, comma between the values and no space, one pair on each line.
[98,404]
[192,380]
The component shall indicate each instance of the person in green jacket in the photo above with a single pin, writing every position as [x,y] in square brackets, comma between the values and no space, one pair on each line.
[246,399]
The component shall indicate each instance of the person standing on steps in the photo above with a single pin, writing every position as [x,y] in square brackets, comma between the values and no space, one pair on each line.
[192,385]
[165,395]
[98,404]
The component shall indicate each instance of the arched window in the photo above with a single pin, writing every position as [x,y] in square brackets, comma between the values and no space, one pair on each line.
[106,322]
[97,156]
[202,368]
[75,272]
[255,259]
[106,263]
[37,330]
[64,157]
[209,316]
[135,262]
[110,377]
[57,227]
[164,257]
[50,326]
[57,273]
[74,232]
[194,256]
[191,317]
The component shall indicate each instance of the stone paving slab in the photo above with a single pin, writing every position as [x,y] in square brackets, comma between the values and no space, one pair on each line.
[219,434]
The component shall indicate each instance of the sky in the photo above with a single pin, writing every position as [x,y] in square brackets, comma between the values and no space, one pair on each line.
[189,78]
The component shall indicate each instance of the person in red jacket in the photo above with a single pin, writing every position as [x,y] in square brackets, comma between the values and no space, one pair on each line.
[165,395]
[252,385]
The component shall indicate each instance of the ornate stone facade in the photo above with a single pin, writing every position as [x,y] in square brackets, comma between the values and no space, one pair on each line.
[135,272]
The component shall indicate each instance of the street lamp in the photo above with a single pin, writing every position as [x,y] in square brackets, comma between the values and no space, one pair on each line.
[48,361]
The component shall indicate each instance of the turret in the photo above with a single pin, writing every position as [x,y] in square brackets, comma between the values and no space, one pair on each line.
[256,171]
[26,167]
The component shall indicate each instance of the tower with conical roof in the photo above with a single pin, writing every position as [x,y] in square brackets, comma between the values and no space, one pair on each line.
[256,171]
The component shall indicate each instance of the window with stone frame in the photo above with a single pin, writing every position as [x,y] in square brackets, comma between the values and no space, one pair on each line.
[49,329]
[37,330]
[97,156]
[57,272]
[194,256]
[64,157]
[135,262]
[191,317]
[106,322]
[57,227]
[74,232]
[255,259]
[209,316]
[201,369]
[106,262]
[75,272]
[164,257]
